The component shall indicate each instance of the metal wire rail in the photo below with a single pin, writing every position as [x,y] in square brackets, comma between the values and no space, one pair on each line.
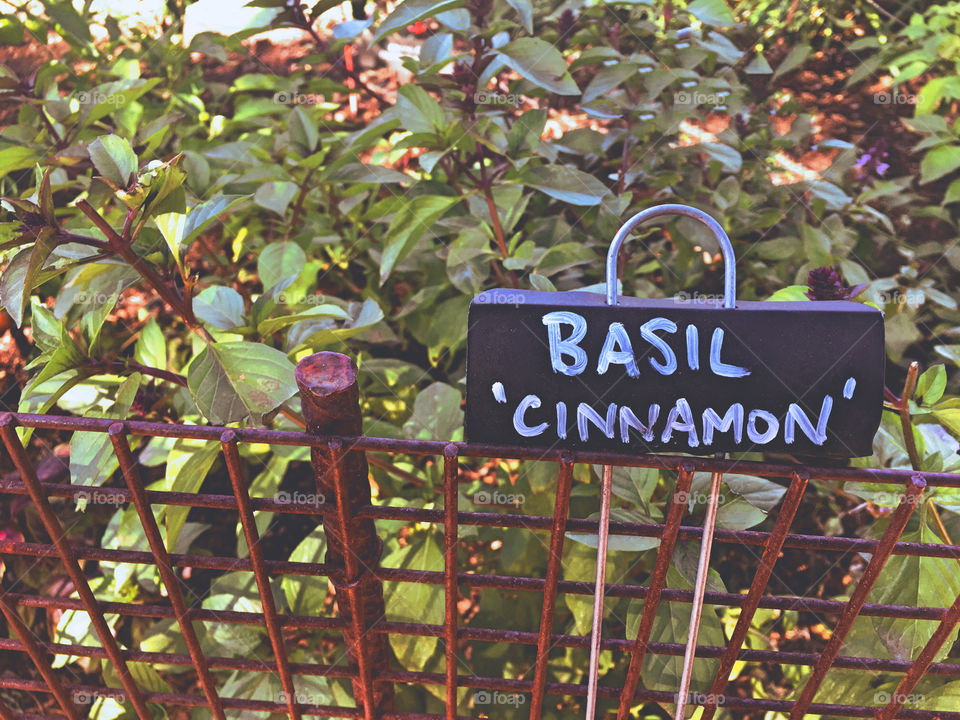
[329,398]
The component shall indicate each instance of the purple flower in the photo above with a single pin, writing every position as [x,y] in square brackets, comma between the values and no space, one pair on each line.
[825,283]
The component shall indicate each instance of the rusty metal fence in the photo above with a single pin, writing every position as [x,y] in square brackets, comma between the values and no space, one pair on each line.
[329,397]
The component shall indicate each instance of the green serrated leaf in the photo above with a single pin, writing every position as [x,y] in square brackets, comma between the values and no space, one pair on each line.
[219,306]
[409,12]
[24,273]
[414,219]
[916,582]
[711,12]
[114,159]
[279,261]
[306,593]
[541,63]
[303,131]
[231,381]
[566,184]
[414,602]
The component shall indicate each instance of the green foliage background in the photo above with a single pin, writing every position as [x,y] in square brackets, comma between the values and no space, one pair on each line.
[261,221]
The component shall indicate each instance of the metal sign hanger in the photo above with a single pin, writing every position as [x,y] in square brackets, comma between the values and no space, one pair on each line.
[703,564]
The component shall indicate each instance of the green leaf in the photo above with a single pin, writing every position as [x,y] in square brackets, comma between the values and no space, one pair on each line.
[305,593]
[566,184]
[541,63]
[360,173]
[303,131]
[758,66]
[931,384]
[237,592]
[952,194]
[230,381]
[204,214]
[24,273]
[414,602]
[670,625]
[915,582]
[74,627]
[950,417]
[279,261]
[931,94]
[625,543]
[179,230]
[791,293]
[69,20]
[411,11]
[151,347]
[415,219]
[436,414]
[711,12]
[728,157]
[524,9]
[738,514]
[635,485]
[608,78]
[114,159]
[275,195]
[542,283]
[171,226]
[315,334]
[763,494]
[220,306]
[580,565]
[325,310]
[793,60]
[938,162]
[16,157]
[945,697]
[104,99]
[188,463]
[419,110]
[92,460]
[159,184]
[144,675]
[47,330]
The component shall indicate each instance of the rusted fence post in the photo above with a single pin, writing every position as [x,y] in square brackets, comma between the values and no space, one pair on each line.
[330,398]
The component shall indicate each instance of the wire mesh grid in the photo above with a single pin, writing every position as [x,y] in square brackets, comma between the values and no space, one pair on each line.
[352,566]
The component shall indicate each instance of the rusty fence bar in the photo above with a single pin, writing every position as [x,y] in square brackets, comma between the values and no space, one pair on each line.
[361,628]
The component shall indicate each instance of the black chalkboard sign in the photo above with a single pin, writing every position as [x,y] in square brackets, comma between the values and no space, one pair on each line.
[572,370]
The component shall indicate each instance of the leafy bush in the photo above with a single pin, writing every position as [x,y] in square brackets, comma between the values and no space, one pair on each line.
[182,224]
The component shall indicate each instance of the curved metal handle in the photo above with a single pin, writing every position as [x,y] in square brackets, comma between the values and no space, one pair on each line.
[729,262]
